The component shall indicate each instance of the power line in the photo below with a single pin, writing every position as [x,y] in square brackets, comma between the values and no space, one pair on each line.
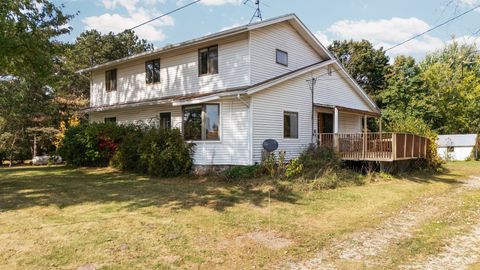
[165,14]
[433,28]
[149,21]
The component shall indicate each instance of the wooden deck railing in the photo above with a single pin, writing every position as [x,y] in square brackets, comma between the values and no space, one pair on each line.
[376,146]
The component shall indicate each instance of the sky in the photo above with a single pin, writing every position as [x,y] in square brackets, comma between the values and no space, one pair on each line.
[383,22]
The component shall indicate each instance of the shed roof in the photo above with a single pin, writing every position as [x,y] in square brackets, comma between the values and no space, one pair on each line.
[457,140]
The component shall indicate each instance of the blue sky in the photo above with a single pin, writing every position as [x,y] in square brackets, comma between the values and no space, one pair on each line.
[384,23]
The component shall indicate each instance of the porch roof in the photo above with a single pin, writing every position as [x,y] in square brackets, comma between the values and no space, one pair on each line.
[346,109]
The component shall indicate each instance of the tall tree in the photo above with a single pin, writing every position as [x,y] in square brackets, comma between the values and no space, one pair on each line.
[28,30]
[28,52]
[452,79]
[405,93]
[366,64]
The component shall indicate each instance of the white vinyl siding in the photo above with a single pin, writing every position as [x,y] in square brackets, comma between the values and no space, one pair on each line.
[233,147]
[178,75]
[268,111]
[460,153]
[349,123]
[264,43]
[335,90]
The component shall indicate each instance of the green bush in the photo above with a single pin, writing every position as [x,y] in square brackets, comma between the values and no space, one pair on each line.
[164,153]
[316,160]
[127,156]
[91,144]
[240,173]
[149,150]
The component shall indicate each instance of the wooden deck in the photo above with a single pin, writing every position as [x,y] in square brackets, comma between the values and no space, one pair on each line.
[376,146]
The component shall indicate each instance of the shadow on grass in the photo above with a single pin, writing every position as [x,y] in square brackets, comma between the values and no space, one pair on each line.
[445,176]
[64,186]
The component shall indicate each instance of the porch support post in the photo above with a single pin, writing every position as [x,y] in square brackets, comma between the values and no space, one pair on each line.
[365,128]
[335,129]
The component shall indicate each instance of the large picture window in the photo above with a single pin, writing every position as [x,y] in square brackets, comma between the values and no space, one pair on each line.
[201,122]
[208,60]
[290,125]
[111,80]
[152,71]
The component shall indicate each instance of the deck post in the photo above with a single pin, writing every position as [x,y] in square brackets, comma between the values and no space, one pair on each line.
[335,129]
[394,146]
[364,145]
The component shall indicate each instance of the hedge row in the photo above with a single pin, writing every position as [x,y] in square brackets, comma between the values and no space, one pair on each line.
[149,150]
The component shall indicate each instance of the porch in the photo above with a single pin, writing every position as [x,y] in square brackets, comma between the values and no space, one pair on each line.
[379,146]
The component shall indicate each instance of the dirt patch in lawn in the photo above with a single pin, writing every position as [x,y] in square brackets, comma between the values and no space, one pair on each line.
[268,239]
[461,252]
[366,246]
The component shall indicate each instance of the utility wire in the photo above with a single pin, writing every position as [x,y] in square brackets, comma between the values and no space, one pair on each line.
[149,21]
[165,14]
[433,28]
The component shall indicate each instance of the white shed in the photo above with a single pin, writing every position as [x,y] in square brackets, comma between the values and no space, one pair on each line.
[457,146]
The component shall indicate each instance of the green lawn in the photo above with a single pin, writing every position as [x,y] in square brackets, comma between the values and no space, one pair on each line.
[59,217]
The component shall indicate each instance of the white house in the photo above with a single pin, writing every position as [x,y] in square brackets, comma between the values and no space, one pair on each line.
[229,91]
[458,146]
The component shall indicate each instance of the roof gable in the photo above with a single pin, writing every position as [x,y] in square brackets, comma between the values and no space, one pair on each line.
[291,18]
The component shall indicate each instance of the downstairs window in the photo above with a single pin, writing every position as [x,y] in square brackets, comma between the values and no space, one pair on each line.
[201,122]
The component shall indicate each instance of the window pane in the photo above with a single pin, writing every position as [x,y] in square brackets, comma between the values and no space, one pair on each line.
[282,57]
[110,120]
[290,125]
[192,123]
[107,80]
[212,122]
[203,61]
[156,70]
[149,72]
[113,83]
[213,60]
[166,120]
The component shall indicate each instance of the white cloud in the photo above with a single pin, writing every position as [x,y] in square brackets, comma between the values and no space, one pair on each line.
[137,13]
[323,38]
[385,33]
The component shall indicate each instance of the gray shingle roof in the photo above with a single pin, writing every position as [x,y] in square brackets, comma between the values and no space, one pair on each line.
[457,140]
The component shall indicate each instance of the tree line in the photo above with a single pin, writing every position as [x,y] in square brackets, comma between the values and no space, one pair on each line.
[40,89]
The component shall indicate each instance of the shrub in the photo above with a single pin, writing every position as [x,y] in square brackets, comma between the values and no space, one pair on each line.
[149,150]
[91,144]
[316,160]
[127,156]
[164,153]
[293,168]
[240,173]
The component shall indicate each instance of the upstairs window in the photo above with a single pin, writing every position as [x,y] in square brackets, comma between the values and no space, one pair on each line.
[110,120]
[282,57]
[201,122]
[152,71]
[111,80]
[290,125]
[208,60]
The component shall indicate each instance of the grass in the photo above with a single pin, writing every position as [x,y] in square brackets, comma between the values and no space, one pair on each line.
[60,217]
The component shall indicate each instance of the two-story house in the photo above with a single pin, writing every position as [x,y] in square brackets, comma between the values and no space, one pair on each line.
[229,91]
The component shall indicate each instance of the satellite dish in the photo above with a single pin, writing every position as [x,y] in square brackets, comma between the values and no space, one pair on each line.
[270,145]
